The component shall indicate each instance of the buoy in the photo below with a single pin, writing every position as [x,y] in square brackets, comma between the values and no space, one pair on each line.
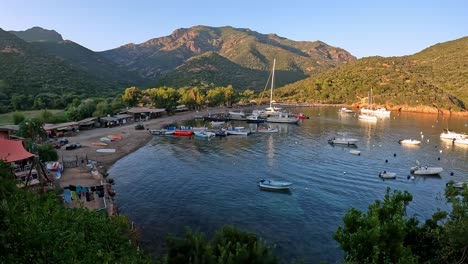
[428,141]
[344,172]
[420,132]
[438,158]
[408,177]
[394,154]
[386,161]
[451,173]
[412,177]
[440,151]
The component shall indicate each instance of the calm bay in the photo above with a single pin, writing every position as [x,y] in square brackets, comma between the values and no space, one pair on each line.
[174,182]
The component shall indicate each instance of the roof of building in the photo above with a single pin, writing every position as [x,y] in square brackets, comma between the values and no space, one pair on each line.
[61,126]
[9,128]
[13,150]
[109,119]
[123,116]
[138,110]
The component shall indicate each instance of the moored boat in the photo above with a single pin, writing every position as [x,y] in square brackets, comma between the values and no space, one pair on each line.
[300,116]
[179,132]
[345,110]
[461,141]
[204,134]
[447,134]
[460,185]
[367,117]
[217,123]
[387,175]
[355,152]
[253,118]
[238,131]
[267,130]
[425,170]
[343,141]
[283,118]
[409,142]
[274,185]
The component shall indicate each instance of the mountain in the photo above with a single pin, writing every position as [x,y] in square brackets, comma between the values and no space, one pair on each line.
[29,70]
[38,34]
[436,77]
[163,58]
[78,56]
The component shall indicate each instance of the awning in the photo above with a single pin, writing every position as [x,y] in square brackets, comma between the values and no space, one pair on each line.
[13,150]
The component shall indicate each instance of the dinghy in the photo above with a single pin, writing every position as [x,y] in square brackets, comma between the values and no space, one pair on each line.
[355,152]
[420,170]
[387,175]
[274,185]
[409,142]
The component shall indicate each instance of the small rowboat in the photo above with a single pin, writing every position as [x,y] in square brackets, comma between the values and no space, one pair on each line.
[101,144]
[183,132]
[409,142]
[355,152]
[300,116]
[115,137]
[105,150]
[387,175]
[274,185]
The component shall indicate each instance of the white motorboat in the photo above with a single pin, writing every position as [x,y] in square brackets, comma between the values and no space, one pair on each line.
[267,130]
[343,141]
[217,123]
[425,170]
[283,118]
[161,132]
[409,142]
[447,134]
[345,110]
[355,152]
[274,185]
[461,141]
[253,118]
[238,131]
[387,175]
[367,117]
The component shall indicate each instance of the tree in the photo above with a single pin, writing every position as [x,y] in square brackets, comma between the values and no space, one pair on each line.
[164,97]
[18,118]
[230,245]
[32,129]
[131,96]
[37,228]
[229,95]
[103,109]
[47,153]
[377,236]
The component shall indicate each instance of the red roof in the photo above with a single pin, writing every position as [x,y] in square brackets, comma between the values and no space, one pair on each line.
[13,150]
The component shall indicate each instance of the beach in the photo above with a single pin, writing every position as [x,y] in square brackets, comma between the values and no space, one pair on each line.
[132,140]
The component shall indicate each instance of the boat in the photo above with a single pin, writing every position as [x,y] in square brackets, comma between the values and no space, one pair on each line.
[238,131]
[367,117]
[409,142]
[300,116]
[461,141]
[237,115]
[460,185]
[355,152]
[162,132]
[283,118]
[220,132]
[387,175]
[204,134]
[115,137]
[425,170]
[380,111]
[217,123]
[275,115]
[274,185]
[447,134]
[254,119]
[345,110]
[105,150]
[99,144]
[105,139]
[343,141]
[180,132]
[267,130]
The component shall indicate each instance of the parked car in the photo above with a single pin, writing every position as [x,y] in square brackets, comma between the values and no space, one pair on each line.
[72,146]
[139,127]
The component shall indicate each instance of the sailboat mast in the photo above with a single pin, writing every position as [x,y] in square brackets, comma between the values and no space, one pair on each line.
[272,83]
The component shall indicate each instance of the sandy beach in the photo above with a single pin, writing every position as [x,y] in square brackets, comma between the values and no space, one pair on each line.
[131,141]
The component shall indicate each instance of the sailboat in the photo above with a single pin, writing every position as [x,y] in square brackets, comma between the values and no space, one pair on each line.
[372,111]
[275,114]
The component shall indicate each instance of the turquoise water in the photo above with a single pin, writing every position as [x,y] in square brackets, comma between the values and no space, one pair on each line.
[174,182]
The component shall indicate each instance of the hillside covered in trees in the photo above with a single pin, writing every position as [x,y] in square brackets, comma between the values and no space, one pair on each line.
[436,77]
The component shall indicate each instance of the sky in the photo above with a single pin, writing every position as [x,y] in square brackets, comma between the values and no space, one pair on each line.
[364,28]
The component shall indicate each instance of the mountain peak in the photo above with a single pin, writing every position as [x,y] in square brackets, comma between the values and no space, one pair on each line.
[35,34]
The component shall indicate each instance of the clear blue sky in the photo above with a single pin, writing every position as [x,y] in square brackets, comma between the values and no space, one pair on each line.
[364,28]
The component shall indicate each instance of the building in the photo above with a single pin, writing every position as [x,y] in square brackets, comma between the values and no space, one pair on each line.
[60,130]
[88,123]
[144,113]
[8,131]
[21,161]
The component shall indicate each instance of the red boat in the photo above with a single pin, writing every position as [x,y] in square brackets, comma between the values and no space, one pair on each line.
[300,116]
[183,132]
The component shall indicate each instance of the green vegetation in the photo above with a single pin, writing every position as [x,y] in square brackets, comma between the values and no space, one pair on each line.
[9,118]
[37,228]
[386,235]
[434,77]
[229,246]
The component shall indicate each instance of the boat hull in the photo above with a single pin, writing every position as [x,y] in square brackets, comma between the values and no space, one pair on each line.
[274,185]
